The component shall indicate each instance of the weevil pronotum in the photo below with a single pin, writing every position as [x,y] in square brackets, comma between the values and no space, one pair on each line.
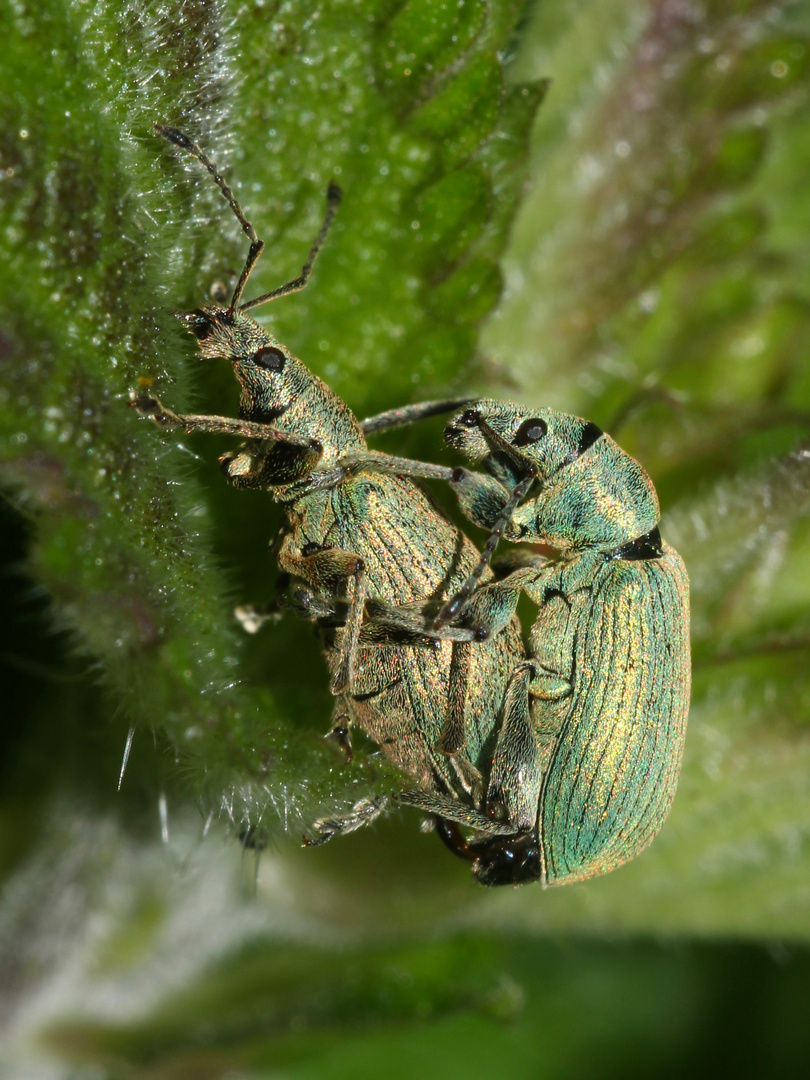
[589,749]
[359,533]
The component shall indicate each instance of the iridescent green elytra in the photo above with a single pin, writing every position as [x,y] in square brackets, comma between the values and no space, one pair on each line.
[359,534]
[589,749]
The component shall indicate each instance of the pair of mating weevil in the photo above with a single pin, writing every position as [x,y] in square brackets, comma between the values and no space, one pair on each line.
[556,762]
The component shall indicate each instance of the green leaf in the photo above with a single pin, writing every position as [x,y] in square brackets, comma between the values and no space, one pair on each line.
[657,281]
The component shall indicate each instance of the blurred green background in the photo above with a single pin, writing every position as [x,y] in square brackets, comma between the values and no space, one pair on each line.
[598,206]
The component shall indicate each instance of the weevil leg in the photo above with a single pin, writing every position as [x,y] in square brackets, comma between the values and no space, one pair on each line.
[517,559]
[447,808]
[272,459]
[343,676]
[362,813]
[385,623]
[492,607]
[560,593]
[340,733]
[551,685]
[469,778]
[329,571]
[410,414]
[454,839]
[453,733]
[152,407]
[372,461]
[482,499]
[513,793]
[268,465]
[453,736]
[473,490]
[488,612]
[456,604]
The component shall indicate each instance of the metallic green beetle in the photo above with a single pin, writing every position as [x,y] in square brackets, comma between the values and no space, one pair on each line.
[359,533]
[589,749]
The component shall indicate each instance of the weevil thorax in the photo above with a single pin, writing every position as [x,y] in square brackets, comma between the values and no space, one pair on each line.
[588,492]
[276,388]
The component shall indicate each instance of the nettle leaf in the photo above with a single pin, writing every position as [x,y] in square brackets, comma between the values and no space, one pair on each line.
[657,281]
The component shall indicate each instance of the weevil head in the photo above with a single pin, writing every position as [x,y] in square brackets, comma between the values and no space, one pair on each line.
[547,439]
[270,377]
[276,388]
[508,860]
[587,492]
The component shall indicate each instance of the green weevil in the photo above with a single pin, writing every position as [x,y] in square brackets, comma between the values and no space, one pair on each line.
[589,748]
[359,532]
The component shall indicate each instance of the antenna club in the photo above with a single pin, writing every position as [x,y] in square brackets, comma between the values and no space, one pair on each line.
[174,135]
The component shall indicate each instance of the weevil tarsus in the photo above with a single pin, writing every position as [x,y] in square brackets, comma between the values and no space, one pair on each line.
[363,813]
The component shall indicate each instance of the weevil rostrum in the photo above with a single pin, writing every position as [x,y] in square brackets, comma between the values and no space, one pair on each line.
[589,749]
[359,532]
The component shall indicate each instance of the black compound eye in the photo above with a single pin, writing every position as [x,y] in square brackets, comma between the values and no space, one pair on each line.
[202,330]
[270,358]
[199,323]
[530,431]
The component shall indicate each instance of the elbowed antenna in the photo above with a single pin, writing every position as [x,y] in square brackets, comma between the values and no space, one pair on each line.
[173,135]
[333,197]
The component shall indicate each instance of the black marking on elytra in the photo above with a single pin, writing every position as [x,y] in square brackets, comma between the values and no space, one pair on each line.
[648,546]
[588,436]
[551,593]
